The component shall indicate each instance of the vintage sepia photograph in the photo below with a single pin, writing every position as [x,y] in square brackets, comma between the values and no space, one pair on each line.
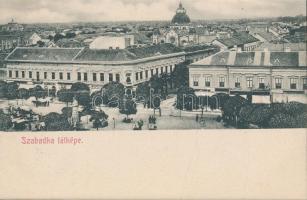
[153,99]
[152,65]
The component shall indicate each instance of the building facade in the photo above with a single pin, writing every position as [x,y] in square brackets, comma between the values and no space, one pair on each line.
[280,75]
[61,67]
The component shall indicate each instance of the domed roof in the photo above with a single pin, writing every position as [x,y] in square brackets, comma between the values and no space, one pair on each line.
[181,16]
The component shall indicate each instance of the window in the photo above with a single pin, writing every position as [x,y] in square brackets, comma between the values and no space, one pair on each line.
[196,80]
[128,78]
[157,71]
[146,74]
[237,83]
[261,83]
[141,75]
[117,77]
[161,70]
[278,83]
[85,76]
[30,74]
[10,74]
[61,75]
[166,69]
[79,76]
[151,72]
[207,81]
[45,75]
[94,77]
[137,76]
[110,77]
[305,83]
[249,81]
[53,75]
[23,74]
[37,76]
[68,76]
[171,68]
[101,77]
[293,83]
[16,74]
[222,82]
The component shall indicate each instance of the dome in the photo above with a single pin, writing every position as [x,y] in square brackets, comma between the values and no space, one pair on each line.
[181,16]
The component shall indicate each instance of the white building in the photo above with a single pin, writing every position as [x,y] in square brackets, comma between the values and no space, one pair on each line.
[112,42]
[62,67]
[279,75]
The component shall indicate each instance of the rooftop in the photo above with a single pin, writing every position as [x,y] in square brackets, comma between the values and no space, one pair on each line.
[43,54]
[257,58]
[237,39]
[282,47]
[91,55]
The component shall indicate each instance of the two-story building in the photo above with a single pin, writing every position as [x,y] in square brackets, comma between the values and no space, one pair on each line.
[282,76]
[61,67]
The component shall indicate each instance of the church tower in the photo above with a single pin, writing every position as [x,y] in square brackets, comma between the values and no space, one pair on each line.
[181,20]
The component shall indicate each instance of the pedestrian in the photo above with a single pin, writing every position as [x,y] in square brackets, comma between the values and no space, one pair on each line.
[197,117]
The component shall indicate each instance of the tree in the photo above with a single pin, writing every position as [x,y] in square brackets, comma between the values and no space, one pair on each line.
[82,93]
[232,107]
[23,93]
[301,120]
[128,107]
[143,92]
[38,92]
[260,116]
[165,78]
[222,98]
[99,119]
[186,98]
[3,89]
[112,93]
[84,99]
[79,87]
[282,121]
[11,90]
[56,122]
[96,98]
[180,75]
[53,91]
[5,121]
[156,83]
[67,112]
[66,96]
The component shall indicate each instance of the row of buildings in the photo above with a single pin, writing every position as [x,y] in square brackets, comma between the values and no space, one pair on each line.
[61,67]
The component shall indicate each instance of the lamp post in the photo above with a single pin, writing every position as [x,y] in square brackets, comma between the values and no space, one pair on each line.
[113,122]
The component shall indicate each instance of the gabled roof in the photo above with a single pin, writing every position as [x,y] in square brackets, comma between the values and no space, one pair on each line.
[257,58]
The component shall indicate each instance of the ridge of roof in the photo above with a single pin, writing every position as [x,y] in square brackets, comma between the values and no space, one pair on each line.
[255,58]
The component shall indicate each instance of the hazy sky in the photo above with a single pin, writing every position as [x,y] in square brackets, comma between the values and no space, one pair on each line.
[29,11]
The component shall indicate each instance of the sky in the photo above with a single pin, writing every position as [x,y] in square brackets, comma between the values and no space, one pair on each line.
[46,11]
